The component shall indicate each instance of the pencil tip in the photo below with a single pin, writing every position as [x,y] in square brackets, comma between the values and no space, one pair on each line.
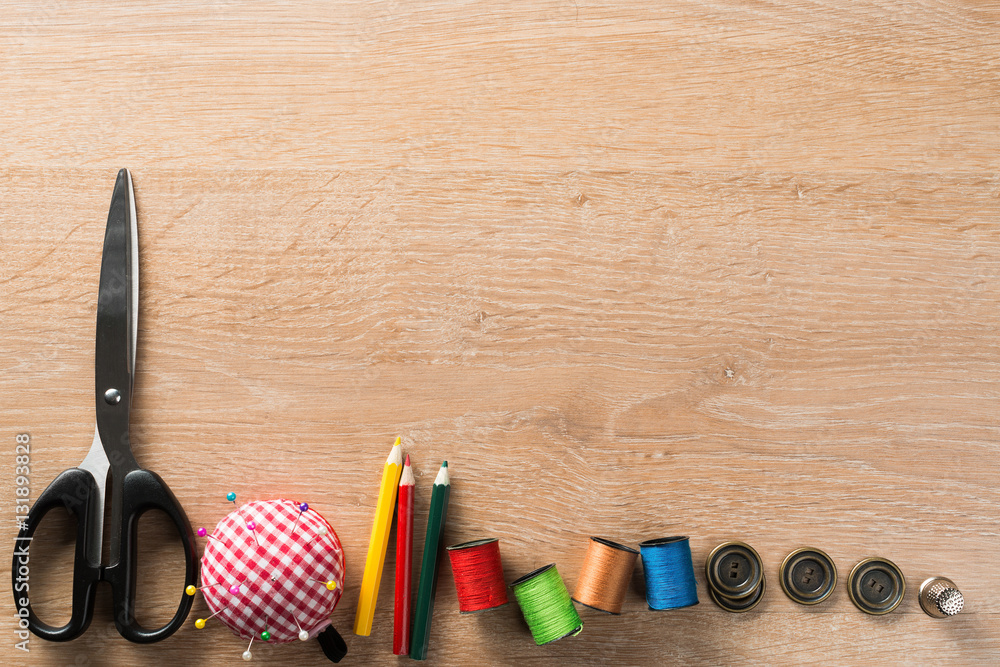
[407,460]
[398,440]
[443,475]
[395,456]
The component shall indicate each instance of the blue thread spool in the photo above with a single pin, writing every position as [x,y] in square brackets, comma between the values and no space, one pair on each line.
[669,573]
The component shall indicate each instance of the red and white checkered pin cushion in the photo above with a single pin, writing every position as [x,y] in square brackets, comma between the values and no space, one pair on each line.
[277,588]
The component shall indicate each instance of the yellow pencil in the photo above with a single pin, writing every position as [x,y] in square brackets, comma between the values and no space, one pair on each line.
[379,541]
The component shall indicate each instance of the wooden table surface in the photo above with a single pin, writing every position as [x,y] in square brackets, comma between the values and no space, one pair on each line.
[724,268]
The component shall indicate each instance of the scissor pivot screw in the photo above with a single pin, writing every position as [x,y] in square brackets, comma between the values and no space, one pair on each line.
[112,396]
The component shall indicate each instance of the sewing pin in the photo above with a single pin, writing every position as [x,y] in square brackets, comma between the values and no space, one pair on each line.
[252,527]
[204,533]
[247,655]
[200,623]
[330,583]
[191,589]
[303,507]
[303,635]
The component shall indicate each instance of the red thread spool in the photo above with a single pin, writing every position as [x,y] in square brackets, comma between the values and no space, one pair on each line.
[478,575]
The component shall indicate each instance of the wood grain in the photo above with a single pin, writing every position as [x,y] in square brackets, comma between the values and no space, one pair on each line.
[726,269]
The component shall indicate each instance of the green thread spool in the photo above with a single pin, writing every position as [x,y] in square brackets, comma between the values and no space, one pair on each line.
[546,605]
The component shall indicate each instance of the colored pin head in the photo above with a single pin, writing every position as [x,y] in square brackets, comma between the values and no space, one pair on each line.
[234,589]
[265,635]
[251,525]
[231,497]
[191,590]
[304,507]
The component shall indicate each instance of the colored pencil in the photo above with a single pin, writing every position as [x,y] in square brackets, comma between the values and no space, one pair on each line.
[429,566]
[379,541]
[404,561]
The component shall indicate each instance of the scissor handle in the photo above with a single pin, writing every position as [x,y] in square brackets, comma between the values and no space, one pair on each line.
[76,490]
[141,491]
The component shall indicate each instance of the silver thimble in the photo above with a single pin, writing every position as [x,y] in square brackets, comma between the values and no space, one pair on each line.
[940,597]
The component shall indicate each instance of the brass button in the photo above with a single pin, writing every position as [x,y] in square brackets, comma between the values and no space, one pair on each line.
[808,576]
[876,586]
[740,605]
[735,575]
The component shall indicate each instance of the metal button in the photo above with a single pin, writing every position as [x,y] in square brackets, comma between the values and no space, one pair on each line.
[808,576]
[740,605]
[734,570]
[735,574]
[112,396]
[876,586]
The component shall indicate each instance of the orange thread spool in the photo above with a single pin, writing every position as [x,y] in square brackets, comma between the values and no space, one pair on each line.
[604,578]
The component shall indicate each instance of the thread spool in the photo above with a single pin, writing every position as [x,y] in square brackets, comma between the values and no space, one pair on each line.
[478,575]
[546,605]
[669,573]
[605,575]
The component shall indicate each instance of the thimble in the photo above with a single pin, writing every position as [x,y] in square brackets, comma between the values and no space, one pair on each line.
[940,597]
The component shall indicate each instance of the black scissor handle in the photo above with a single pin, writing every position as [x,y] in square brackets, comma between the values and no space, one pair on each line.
[76,490]
[141,491]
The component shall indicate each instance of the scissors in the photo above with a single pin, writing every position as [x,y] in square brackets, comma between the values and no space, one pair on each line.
[134,490]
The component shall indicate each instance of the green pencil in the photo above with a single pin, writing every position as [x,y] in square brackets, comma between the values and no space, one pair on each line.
[420,637]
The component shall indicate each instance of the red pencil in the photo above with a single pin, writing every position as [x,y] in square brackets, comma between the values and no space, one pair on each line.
[404,561]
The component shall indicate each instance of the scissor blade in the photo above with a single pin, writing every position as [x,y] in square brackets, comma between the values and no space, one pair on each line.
[96,463]
[134,259]
[117,301]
